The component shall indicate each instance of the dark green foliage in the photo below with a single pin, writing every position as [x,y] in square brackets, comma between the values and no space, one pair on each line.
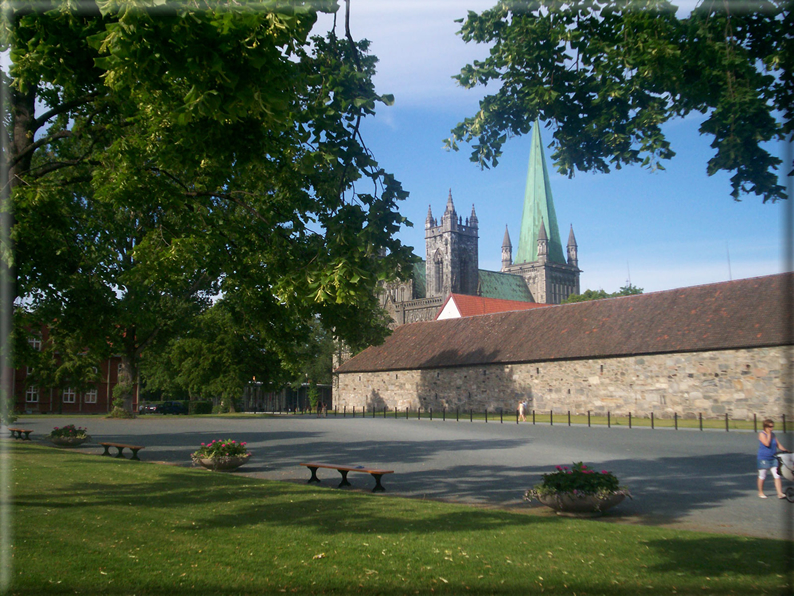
[609,74]
[199,407]
[164,155]
[627,290]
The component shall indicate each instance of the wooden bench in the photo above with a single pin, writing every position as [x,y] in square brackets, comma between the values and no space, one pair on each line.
[343,470]
[121,447]
[16,433]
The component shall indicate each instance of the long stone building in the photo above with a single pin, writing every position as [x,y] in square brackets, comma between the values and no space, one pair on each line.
[541,272]
[711,349]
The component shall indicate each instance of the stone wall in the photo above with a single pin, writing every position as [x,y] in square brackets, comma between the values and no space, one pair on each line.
[737,382]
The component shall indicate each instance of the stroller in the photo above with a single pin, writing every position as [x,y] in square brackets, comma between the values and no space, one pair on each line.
[786,469]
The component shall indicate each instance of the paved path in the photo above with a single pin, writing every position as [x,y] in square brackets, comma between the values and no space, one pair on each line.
[687,478]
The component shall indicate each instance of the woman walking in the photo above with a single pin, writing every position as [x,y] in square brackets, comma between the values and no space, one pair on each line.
[767,448]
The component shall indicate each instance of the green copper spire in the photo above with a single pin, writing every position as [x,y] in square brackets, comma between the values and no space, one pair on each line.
[538,207]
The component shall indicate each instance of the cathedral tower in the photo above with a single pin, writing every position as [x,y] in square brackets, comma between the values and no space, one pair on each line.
[452,255]
[540,259]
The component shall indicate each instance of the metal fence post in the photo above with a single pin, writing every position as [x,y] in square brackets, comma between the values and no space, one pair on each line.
[609,419]
[471,414]
[419,413]
[533,416]
[675,418]
[486,415]
[551,417]
[501,417]
[700,419]
[588,418]
[569,418]
[444,414]
[431,413]
[651,420]
[726,422]
[755,422]
[629,419]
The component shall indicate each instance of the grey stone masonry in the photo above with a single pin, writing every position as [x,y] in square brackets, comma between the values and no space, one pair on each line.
[451,249]
[739,382]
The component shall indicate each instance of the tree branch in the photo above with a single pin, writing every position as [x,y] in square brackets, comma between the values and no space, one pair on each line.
[64,107]
[40,143]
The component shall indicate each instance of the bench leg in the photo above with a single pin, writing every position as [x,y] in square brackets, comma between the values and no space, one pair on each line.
[13,434]
[344,479]
[378,486]
[27,435]
[120,454]
[107,450]
[314,475]
[135,454]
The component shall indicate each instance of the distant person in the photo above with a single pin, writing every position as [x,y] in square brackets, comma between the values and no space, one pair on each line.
[522,410]
[767,448]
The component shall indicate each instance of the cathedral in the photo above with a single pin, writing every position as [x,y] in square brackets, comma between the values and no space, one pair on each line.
[540,272]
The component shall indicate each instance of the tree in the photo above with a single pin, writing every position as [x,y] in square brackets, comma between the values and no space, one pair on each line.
[609,74]
[215,358]
[165,153]
[627,290]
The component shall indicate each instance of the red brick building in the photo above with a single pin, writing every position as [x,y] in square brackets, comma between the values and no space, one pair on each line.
[97,399]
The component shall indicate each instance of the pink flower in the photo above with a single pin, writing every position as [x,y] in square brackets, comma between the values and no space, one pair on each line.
[604,472]
[559,467]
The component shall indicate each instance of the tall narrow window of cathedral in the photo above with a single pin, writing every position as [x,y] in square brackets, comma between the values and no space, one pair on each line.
[438,267]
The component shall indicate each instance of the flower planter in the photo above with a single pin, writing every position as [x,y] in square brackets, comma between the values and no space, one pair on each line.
[68,441]
[571,505]
[222,464]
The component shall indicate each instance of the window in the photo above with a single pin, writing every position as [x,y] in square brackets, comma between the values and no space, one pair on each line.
[32,395]
[90,396]
[68,395]
[35,342]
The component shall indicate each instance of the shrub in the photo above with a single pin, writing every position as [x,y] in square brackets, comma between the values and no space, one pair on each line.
[70,431]
[578,480]
[120,392]
[118,412]
[219,449]
[7,413]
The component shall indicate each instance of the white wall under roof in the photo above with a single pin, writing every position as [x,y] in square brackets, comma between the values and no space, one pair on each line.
[450,310]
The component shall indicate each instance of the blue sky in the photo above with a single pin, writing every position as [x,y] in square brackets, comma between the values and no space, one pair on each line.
[665,229]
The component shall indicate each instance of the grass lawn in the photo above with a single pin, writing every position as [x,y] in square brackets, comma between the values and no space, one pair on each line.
[90,525]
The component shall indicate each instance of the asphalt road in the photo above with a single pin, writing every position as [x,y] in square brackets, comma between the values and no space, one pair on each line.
[686,479]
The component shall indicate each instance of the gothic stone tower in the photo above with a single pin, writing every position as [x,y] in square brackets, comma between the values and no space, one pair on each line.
[539,259]
[452,256]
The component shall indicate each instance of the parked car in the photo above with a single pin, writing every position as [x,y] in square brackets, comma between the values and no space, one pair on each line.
[171,407]
[146,408]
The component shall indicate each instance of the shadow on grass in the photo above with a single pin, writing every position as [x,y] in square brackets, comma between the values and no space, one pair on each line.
[716,556]
[107,482]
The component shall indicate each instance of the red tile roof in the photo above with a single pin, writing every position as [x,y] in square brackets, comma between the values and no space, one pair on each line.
[471,306]
[746,313]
